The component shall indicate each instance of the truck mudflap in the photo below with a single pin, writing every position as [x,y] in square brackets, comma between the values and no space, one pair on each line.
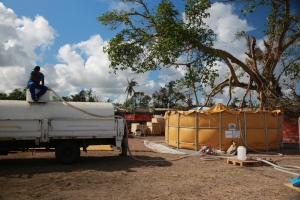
[121,146]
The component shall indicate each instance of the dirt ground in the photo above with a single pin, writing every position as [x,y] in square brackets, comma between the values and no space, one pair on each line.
[105,175]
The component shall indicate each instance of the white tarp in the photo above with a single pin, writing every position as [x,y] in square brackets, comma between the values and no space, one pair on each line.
[161,148]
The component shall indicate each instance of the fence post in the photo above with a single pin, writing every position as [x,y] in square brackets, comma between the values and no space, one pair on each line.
[196,131]
[266,132]
[178,130]
[169,113]
[220,131]
[245,129]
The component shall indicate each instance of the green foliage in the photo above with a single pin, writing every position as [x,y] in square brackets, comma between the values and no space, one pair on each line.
[151,40]
[253,4]
[55,99]
[138,100]
[145,101]
[82,96]
[66,98]
[3,96]
[197,77]
[89,96]
[235,104]
[16,94]
[138,97]
[130,105]
[293,71]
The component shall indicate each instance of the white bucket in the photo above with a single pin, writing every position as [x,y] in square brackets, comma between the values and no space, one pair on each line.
[241,153]
[138,133]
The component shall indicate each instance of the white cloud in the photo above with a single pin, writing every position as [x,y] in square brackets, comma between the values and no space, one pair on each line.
[85,65]
[19,38]
[113,5]
[226,24]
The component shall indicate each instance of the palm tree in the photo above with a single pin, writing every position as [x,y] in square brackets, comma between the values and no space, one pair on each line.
[129,90]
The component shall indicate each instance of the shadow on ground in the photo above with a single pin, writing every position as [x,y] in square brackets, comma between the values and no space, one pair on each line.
[31,166]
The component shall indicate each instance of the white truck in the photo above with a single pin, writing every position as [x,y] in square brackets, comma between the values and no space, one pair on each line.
[64,126]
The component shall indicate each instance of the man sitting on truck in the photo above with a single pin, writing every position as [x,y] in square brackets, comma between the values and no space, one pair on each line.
[34,82]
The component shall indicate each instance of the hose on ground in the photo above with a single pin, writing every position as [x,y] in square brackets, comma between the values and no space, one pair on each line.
[286,168]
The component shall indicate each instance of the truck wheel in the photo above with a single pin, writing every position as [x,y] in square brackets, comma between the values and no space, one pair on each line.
[67,152]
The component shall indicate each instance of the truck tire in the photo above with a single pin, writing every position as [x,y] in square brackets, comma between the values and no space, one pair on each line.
[67,152]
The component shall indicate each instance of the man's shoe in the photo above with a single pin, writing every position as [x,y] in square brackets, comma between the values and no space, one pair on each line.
[35,99]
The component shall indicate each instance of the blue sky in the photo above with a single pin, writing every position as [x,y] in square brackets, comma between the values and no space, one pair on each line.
[65,39]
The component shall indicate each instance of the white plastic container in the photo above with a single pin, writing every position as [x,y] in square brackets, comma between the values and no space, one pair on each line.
[138,133]
[44,98]
[241,153]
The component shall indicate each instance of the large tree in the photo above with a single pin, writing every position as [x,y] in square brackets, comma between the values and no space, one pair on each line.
[152,38]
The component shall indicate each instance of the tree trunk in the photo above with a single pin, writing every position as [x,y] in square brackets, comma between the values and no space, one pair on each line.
[262,99]
[195,93]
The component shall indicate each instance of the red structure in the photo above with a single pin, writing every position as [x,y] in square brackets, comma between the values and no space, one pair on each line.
[290,131]
[138,117]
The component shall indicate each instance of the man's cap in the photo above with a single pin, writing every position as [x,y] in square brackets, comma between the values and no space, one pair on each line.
[37,68]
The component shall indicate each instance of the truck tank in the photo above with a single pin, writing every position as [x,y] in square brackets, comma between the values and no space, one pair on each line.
[26,110]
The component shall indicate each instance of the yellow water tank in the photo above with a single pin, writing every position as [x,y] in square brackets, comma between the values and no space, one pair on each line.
[219,126]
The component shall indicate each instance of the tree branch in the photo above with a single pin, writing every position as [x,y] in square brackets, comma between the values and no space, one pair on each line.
[229,91]
[223,55]
[246,92]
[284,28]
[281,37]
[232,72]
[285,68]
[291,40]
[253,44]
[216,90]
